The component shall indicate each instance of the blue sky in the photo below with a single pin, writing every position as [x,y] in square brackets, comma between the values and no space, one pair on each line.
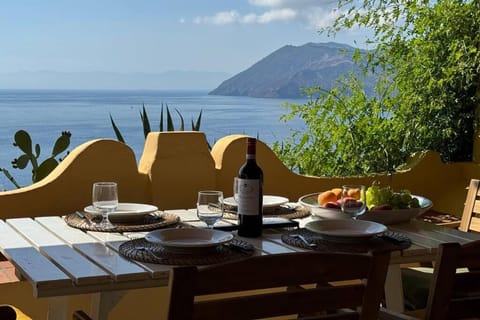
[156,35]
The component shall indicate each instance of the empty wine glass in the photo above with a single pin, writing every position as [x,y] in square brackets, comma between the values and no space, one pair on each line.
[105,200]
[210,207]
[353,200]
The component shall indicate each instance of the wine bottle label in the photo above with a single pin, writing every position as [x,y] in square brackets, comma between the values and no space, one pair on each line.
[248,196]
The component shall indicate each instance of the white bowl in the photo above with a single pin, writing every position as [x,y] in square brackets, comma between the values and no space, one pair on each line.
[386,217]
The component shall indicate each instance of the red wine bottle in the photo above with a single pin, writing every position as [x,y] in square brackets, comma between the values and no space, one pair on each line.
[250,194]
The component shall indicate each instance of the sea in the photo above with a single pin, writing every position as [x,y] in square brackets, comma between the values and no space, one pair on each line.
[44,114]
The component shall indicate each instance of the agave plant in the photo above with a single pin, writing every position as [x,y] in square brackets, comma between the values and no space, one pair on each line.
[170,126]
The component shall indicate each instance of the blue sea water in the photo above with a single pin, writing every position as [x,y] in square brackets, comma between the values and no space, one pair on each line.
[44,114]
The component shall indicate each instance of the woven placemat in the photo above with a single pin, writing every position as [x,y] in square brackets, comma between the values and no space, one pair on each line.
[387,241]
[280,211]
[142,250]
[150,222]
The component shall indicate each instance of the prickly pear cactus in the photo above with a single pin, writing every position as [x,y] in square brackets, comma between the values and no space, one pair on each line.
[39,171]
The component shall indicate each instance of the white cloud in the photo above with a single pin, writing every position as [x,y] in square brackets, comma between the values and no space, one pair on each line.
[312,13]
[270,16]
[220,18]
[319,18]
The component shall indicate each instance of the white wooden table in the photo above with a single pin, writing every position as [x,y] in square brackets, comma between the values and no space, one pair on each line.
[59,260]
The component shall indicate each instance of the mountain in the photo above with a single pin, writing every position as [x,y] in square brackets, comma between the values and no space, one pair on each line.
[284,73]
[188,80]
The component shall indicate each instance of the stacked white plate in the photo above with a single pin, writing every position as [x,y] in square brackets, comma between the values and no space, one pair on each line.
[126,212]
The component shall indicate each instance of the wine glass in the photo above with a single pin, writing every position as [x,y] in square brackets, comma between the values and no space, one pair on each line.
[210,207]
[105,200]
[353,200]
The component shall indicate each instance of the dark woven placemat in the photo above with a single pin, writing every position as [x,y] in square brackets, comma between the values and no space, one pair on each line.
[150,222]
[280,211]
[142,250]
[387,241]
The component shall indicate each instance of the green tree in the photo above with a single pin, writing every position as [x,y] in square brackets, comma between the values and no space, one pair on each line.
[427,59]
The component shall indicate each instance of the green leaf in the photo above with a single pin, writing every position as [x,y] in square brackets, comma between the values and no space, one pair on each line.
[145,122]
[61,144]
[118,134]
[37,151]
[170,126]
[196,127]
[44,169]
[21,162]
[161,118]
[10,178]
[23,141]
[182,123]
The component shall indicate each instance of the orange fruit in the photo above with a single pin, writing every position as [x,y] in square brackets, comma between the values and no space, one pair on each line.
[338,192]
[326,196]
[354,193]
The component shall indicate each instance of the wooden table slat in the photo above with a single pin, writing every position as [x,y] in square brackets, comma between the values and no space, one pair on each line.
[81,270]
[35,267]
[157,271]
[119,268]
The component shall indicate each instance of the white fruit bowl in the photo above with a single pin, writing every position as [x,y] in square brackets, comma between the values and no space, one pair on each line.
[385,217]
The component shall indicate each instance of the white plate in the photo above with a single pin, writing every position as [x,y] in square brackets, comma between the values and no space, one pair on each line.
[344,228]
[126,211]
[386,217]
[268,201]
[188,238]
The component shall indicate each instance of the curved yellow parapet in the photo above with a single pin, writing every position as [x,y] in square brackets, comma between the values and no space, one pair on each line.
[425,174]
[69,186]
[175,165]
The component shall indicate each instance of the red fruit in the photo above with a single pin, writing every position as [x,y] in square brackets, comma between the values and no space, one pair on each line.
[381,207]
[347,199]
[332,205]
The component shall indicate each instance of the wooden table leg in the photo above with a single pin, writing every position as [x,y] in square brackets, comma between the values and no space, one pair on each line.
[57,308]
[103,303]
[394,288]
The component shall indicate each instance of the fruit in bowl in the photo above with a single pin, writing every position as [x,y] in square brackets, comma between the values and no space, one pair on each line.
[333,198]
[383,205]
[384,198]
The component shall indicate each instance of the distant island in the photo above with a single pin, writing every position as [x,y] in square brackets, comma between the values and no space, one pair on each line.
[286,71]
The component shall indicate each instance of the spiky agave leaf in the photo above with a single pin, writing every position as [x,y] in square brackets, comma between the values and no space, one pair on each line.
[182,123]
[170,126]
[161,118]
[196,126]
[118,134]
[145,122]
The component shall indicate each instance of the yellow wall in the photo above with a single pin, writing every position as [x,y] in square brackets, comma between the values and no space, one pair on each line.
[175,165]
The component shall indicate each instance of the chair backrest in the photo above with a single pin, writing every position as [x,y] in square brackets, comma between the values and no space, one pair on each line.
[470,221]
[287,273]
[455,295]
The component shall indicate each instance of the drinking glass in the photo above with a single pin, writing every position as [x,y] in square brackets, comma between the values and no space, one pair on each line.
[353,200]
[105,200]
[210,207]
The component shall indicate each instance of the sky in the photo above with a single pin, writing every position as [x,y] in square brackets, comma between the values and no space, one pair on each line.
[154,36]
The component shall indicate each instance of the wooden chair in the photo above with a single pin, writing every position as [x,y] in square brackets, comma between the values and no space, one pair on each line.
[470,221]
[452,295]
[348,300]
[417,280]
